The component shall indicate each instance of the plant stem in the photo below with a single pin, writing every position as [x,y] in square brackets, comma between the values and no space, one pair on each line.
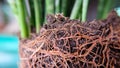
[79,16]
[27,14]
[32,14]
[57,6]
[37,15]
[107,8]
[76,9]
[13,6]
[64,6]
[22,21]
[84,10]
[100,8]
[49,6]
[42,11]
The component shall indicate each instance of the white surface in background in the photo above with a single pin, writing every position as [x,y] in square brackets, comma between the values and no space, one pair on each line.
[5,58]
[118,10]
[12,27]
[8,60]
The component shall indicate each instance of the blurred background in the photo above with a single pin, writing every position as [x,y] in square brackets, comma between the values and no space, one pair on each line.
[9,57]
[8,21]
[9,29]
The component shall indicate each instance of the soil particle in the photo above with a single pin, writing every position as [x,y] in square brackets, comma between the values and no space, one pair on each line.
[66,43]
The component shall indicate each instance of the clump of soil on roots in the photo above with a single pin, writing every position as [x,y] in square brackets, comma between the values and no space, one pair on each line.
[66,43]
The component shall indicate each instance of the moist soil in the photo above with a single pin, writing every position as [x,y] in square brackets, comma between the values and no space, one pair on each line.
[66,43]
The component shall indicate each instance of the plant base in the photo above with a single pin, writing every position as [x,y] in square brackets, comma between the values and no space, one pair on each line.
[65,43]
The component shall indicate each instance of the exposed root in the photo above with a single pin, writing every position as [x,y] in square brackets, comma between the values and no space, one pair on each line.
[65,43]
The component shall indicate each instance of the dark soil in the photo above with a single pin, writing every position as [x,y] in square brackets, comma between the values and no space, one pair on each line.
[66,43]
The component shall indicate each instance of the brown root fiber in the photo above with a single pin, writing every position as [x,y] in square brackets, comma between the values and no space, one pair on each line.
[66,43]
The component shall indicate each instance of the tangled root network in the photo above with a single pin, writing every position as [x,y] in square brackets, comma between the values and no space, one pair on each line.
[66,43]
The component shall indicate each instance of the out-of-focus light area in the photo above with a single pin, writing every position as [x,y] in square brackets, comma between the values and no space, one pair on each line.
[9,42]
[118,10]
[117,7]
[8,21]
